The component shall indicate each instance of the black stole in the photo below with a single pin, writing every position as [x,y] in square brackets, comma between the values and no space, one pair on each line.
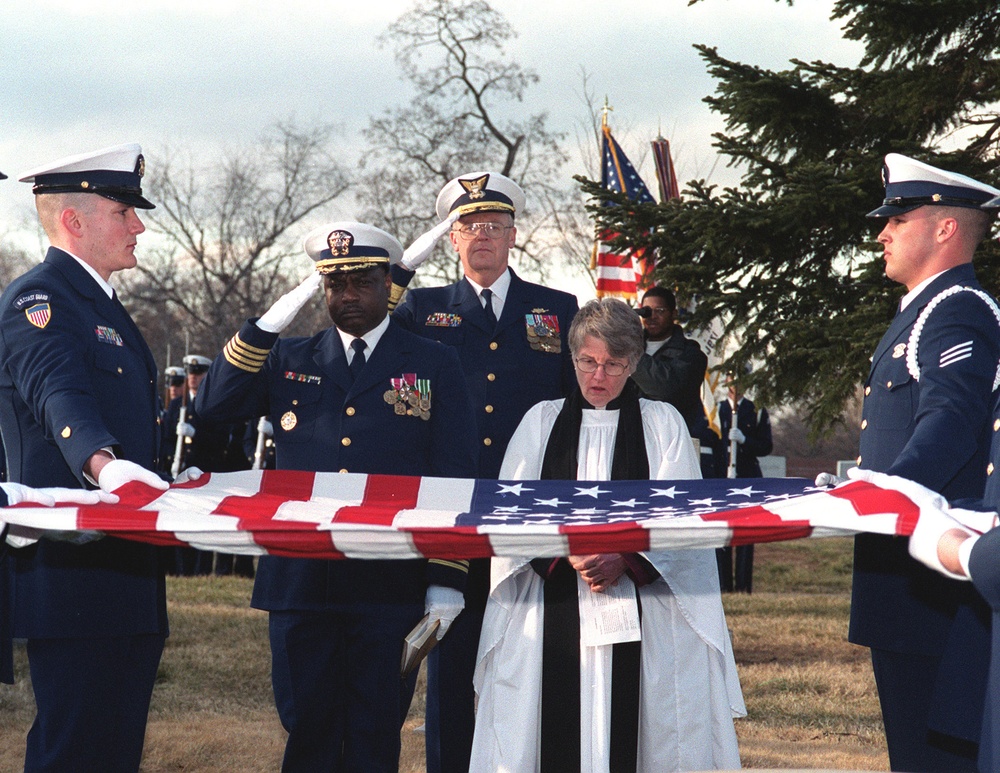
[560,736]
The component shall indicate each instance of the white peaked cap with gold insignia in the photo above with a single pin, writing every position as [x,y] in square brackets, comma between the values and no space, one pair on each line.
[480,192]
[114,173]
[351,246]
[910,184]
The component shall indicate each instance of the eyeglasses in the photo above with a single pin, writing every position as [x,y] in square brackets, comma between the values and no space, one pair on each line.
[587,365]
[657,311]
[470,231]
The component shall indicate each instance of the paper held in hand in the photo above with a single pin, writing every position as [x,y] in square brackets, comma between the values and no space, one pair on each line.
[418,642]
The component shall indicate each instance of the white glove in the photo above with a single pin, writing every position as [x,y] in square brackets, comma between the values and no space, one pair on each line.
[265,426]
[47,497]
[280,315]
[188,475]
[737,434]
[931,527]
[829,479]
[118,472]
[974,520]
[424,244]
[185,429]
[444,604]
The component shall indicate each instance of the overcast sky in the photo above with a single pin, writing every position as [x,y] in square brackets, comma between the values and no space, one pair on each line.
[204,75]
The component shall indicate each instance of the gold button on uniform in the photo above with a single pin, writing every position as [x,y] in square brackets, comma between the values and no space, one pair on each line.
[66,432]
[888,385]
[489,409]
[494,345]
[350,410]
[859,461]
[295,402]
[487,441]
[119,370]
[491,377]
[344,469]
[345,441]
[989,468]
[864,423]
[996,425]
[868,390]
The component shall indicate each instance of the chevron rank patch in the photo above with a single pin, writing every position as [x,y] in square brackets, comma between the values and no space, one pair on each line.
[962,351]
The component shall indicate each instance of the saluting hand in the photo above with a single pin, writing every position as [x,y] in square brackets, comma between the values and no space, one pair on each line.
[281,314]
[423,245]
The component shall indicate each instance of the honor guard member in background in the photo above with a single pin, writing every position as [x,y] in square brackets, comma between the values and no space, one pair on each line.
[511,338]
[926,417]
[673,368]
[174,382]
[210,446]
[78,408]
[751,434]
[362,396]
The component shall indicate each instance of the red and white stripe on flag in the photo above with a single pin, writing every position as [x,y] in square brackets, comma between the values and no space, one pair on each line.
[618,275]
[330,515]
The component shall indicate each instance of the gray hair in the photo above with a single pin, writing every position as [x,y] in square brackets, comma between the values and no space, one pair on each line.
[612,321]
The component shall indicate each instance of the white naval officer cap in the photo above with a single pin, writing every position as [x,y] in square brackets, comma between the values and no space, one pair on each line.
[114,173]
[480,192]
[910,184]
[174,375]
[351,246]
[196,363]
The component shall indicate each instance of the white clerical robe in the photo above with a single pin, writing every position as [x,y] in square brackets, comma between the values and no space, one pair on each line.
[689,688]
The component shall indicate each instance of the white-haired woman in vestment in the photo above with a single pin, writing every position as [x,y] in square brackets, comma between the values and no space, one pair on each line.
[554,695]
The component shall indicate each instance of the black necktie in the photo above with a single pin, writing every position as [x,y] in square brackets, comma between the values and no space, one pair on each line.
[487,296]
[358,363]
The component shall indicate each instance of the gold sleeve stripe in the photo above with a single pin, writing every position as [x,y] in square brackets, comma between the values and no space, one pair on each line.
[244,356]
[396,293]
[461,565]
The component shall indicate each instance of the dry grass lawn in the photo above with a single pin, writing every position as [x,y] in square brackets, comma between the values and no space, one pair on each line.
[810,695]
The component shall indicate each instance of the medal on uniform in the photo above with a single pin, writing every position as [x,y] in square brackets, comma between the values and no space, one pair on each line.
[422,403]
[288,421]
[898,351]
[399,396]
[409,396]
[543,332]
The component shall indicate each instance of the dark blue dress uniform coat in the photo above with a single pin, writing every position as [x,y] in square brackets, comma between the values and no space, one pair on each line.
[506,375]
[84,381]
[935,431]
[77,379]
[340,426]
[984,566]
